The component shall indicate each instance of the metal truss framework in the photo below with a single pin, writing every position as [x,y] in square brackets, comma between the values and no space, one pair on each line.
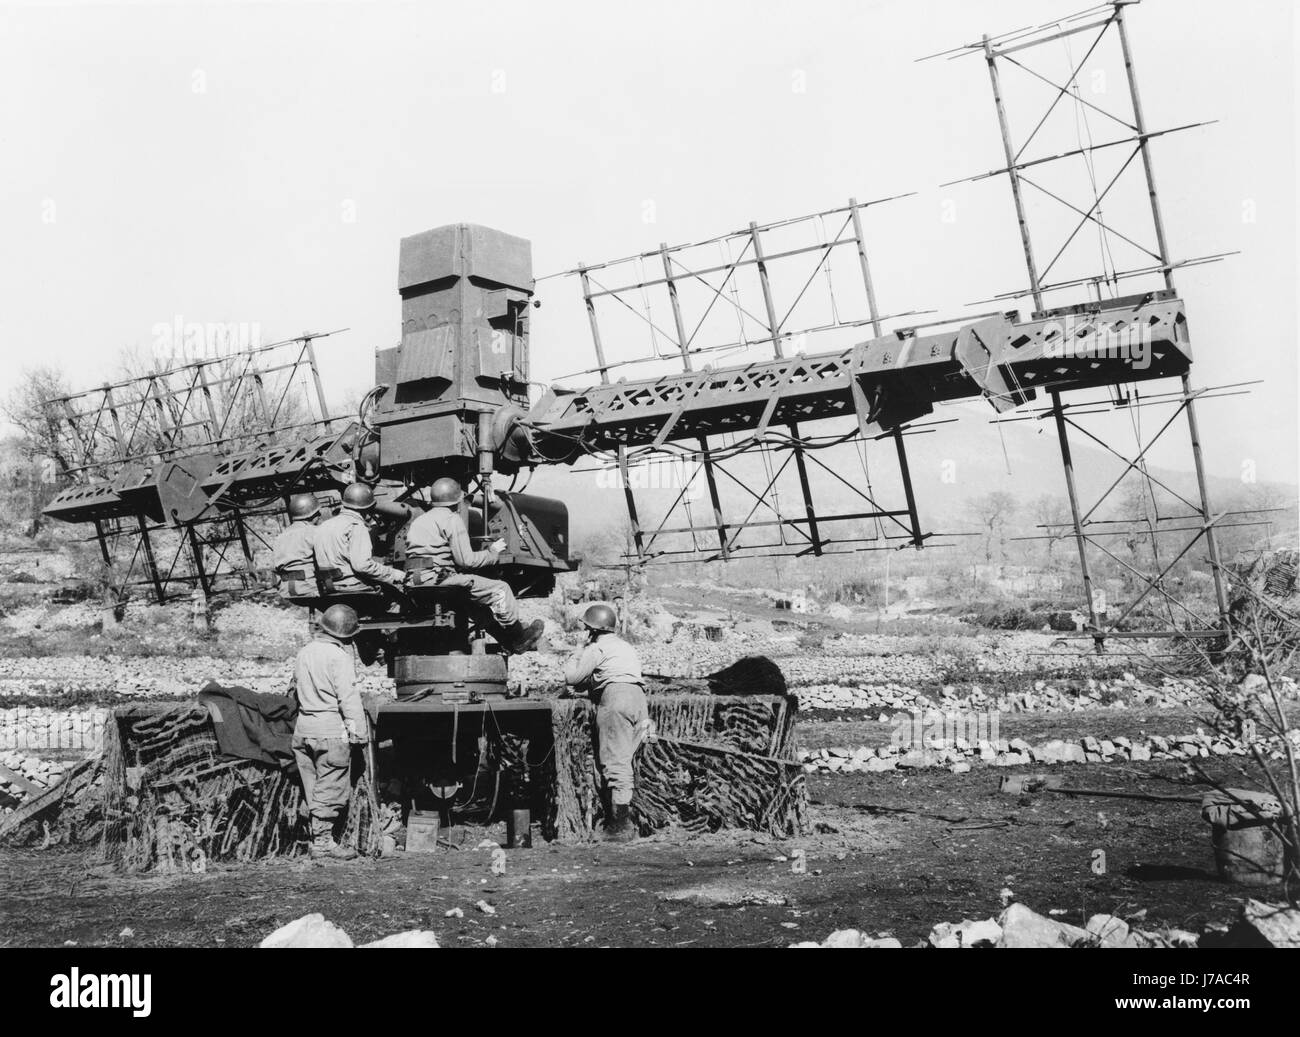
[769,400]
[1109,21]
[131,450]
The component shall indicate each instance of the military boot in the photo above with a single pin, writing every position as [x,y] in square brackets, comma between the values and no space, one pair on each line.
[321,845]
[619,828]
[517,638]
[328,850]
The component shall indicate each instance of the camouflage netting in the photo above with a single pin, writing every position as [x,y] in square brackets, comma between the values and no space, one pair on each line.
[162,797]
[720,762]
[180,803]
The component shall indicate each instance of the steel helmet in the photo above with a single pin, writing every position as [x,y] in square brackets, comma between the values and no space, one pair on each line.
[600,617]
[303,506]
[359,497]
[446,493]
[340,621]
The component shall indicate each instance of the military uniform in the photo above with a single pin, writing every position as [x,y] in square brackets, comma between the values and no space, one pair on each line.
[330,713]
[342,544]
[294,560]
[610,668]
[439,553]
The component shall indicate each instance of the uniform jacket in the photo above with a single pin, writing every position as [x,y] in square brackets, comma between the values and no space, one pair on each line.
[293,551]
[607,660]
[329,703]
[440,536]
[343,543]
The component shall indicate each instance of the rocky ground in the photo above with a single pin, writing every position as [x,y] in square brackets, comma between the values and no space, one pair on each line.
[891,856]
[908,831]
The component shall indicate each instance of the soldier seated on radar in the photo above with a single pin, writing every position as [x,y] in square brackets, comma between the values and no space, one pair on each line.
[343,553]
[438,554]
[291,554]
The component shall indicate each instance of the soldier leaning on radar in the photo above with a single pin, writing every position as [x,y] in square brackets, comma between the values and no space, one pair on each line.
[608,667]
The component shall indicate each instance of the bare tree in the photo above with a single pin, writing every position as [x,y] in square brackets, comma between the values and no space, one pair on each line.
[26,409]
[1053,515]
[36,460]
[993,511]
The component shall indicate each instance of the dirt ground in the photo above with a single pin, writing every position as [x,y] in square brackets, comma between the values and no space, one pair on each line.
[886,853]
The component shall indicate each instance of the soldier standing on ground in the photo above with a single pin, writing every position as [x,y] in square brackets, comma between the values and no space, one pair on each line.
[331,718]
[610,670]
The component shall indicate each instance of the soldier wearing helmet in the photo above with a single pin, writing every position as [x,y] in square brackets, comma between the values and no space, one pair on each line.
[291,554]
[439,554]
[608,667]
[343,553]
[330,718]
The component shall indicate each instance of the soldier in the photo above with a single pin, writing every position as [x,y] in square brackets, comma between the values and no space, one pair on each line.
[291,555]
[344,556]
[608,666]
[438,554]
[330,718]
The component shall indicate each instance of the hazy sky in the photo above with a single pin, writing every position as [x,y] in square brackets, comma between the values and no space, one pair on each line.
[258,163]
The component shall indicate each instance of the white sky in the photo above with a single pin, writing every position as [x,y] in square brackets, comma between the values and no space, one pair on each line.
[259,162]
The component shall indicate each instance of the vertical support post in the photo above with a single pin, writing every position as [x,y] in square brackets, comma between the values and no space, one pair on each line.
[103,543]
[637,536]
[866,267]
[774,327]
[196,551]
[772,323]
[241,531]
[75,429]
[1058,414]
[113,592]
[715,500]
[325,418]
[1143,146]
[213,422]
[1080,538]
[164,422]
[602,364]
[109,403]
[683,346]
[1011,172]
[151,564]
[261,395]
[1211,540]
[906,472]
[813,531]
[595,327]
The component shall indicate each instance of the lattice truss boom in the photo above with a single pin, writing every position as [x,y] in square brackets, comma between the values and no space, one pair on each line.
[182,469]
[1085,154]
